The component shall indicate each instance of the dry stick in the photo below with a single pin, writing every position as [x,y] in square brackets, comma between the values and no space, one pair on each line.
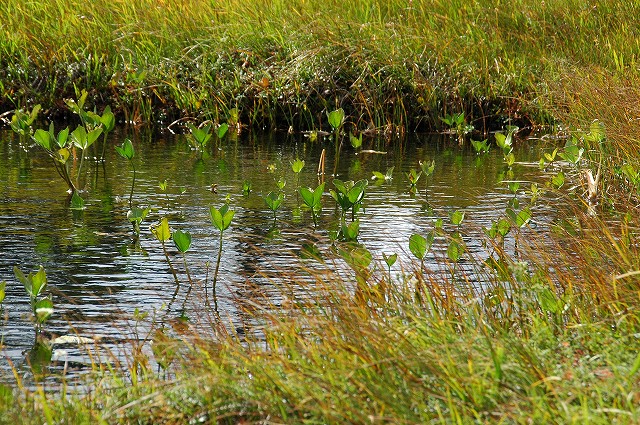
[321,167]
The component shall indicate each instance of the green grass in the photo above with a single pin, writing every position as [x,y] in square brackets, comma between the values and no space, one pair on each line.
[390,64]
[534,346]
[553,342]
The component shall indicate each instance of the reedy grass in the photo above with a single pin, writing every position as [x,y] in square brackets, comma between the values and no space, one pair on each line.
[390,64]
[424,349]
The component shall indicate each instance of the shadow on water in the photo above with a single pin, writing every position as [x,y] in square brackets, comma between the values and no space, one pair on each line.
[100,275]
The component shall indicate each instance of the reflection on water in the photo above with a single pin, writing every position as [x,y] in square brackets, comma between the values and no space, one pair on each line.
[99,276]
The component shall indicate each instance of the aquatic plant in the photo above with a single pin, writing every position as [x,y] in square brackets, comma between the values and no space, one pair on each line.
[356,142]
[349,196]
[136,216]
[182,241]
[41,307]
[127,151]
[457,125]
[221,220]
[336,120]
[162,233]
[200,135]
[22,122]
[480,146]
[413,177]
[273,201]
[296,167]
[427,170]
[312,198]
[389,260]
[420,246]
[387,176]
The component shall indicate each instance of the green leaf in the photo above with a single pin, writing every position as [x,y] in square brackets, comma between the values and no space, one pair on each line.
[503,227]
[457,217]
[162,231]
[77,203]
[137,215]
[273,200]
[221,218]
[297,165]
[222,130]
[391,259]
[3,286]
[126,150]
[108,120]
[93,135]
[43,310]
[307,196]
[62,137]
[182,240]
[558,180]
[79,137]
[38,281]
[418,246]
[356,142]
[26,281]
[43,138]
[427,168]
[455,251]
[336,118]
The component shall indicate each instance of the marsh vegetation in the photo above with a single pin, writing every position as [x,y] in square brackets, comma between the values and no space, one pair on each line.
[343,270]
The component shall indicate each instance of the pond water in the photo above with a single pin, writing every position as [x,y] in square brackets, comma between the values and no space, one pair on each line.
[99,277]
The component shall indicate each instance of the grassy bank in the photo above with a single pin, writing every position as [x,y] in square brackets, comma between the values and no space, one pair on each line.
[552,341]
[283,64]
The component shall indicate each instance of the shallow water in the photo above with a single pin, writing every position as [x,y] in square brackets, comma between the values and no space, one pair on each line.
[99,276]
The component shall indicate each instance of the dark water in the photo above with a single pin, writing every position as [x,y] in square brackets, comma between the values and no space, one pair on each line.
[99,276]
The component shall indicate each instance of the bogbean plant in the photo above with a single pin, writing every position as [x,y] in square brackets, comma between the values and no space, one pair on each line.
[34,285]
[64,146]
[457,126]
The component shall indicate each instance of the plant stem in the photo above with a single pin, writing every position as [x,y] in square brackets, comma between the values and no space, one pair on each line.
[215,274]
[133,183]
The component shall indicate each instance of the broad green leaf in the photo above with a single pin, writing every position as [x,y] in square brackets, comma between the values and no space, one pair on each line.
[307,196]
[317,194]
[108,120]
[43,138]
[427,168]
[558,180]
[273,200]
[182,240]
[38,281]
[162,231]
[222,130]
[137,215]
[62,138]
[77,203]
[43,310]
[454,251]
[377,175]
[457,217]
[356,142]
[3,286]
[93,135]
[336,118]
[391,259]
[79,137]
[503,227]
[418,246]
[297,165]
[126,150]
